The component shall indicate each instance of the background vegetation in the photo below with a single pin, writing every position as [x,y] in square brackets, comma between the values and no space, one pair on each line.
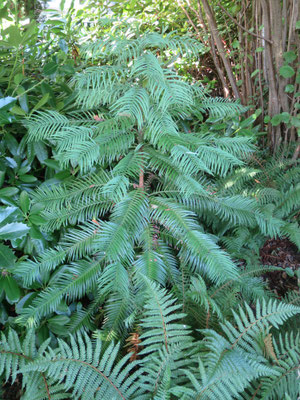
[149,200]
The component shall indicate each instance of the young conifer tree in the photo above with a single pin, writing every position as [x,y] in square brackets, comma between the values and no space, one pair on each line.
[142,184]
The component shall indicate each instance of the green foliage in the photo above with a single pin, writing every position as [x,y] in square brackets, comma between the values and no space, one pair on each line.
[274,184]
[129,209]
[230,364]
[133,218]
[141,191]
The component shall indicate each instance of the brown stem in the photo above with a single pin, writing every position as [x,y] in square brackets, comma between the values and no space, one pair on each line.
[190,19]
[221,74]
[258,57]
[274,103]
[141,179]
[220,46]
[256,391]
[141,176]
[292,23]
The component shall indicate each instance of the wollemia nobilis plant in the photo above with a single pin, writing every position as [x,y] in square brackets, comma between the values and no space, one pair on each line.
[138,246]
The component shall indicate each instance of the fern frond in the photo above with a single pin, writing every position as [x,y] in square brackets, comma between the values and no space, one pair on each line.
[167,345]
[16,354]
[150,263]
[249,325]
[70,283]
[89,371]
[43,125]
[134,103]
[159,326]
[221,107]
[30,270]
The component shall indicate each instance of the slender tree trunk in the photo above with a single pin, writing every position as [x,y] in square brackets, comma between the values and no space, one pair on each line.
[220,72]
[216,37]
[273,25]
[274,107]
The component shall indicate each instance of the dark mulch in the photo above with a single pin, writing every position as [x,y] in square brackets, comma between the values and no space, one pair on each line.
[12,391]
[281,253]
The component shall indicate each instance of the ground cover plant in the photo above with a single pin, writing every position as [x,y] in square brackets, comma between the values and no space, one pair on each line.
[138,274]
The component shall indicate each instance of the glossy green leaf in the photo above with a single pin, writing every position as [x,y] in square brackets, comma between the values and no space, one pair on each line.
[2,280]
[58,324]
[46,88]
[63,45]
[14,230]
[276,120]
[27,178]
[7,257]
[254,73]
[24,201]
[11,162]
[36,208]
[30,31]
[43,101]
[3,12]
[285,117]
[11,143]
[8,214]
[2,176]
[267,119]
[23,100]
[18,78]
[12,289]
[6,118]
[279,118]
[62,308]
[295,121]
[37,219]
[25,301]
[15,38]
[35,233]
[40,151]
[52,163]
[6,102]
[8,191]
[289,88]
[24,170]
[18,111]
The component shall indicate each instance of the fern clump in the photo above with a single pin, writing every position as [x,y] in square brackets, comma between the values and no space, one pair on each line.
[141,186]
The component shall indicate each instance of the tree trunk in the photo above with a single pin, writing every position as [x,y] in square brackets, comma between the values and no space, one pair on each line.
[273,25]
[216,37]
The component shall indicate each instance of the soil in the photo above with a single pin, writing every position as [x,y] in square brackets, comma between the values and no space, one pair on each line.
[281,253]
[12,391]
